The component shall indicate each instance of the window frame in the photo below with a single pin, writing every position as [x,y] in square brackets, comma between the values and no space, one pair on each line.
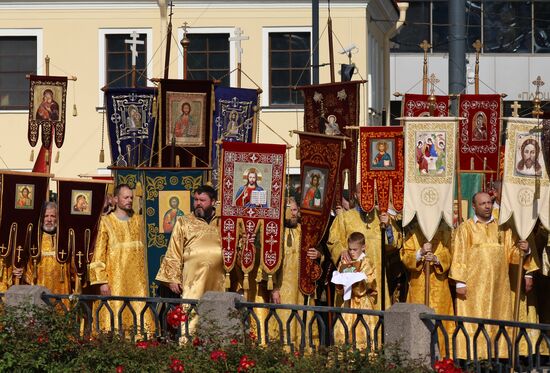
[211,30]
[39,34]
[266,61]
[102,44]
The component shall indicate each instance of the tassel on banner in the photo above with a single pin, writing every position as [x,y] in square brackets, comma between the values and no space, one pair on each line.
[548,242]
[78,285]
[246,282]
[154,107]
[138,191]
[31,158]
[101,156]
[269,282]
[194,162]
[227,283]
[62,279]
[178,163]
[57,157]
[75,111]
[298,151]
[34,272]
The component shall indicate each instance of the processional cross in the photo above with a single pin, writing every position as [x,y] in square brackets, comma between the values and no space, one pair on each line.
[477,45]
[537,112]
[239,36]
[133,48]
[432,100]
[425,46]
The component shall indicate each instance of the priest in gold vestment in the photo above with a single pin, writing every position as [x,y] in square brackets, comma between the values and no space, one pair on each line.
[482,255]
[193,262]
[118,265]
[368,223]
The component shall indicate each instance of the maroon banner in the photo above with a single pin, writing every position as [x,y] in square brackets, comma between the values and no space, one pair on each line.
[252,190]
[80,205]
[47,107]
[382,162]
[23,195]
[479,133]
[319,165]
[329,109]
[414,105]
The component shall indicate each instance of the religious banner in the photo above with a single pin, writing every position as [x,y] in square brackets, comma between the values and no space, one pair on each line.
[185,123]
[319,167]
[79,208]
[429,171]
[416,105]
[252,196]
[234,120]
[131,125]
[525,187]
[382,162]
[479,133]
[47,107]
[23,195]
[329,109]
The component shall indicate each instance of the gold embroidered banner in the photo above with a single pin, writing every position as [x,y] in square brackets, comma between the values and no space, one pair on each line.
[429,171]
[525,188]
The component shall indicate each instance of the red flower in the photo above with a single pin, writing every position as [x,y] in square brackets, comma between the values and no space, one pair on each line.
[42,339]
[217,355]
[252,336]
[197,342]
[234,342]
[245,364]
[176,365]
[296,353]
[153,343]
[142,344]
[446,366]
[176,316]
[120,369]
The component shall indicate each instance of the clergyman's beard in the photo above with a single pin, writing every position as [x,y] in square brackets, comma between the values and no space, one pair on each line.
[292,222]
[49,229]
[129,211]
[205,213]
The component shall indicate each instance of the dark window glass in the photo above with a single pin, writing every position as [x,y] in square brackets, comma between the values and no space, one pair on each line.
[440,28]
[17,59]
[289,59]
[473,23]
[119,61]
[542,27]
[415,29]
[506,27]
[208,57]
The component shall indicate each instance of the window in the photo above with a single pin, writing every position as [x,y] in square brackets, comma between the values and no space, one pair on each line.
[208,57]
[18,58]
[289,60]
[415,29]
[542,27]
[506,27]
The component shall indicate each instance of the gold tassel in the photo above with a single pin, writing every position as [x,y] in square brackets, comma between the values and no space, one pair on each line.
[138,192]
[227,280]
[57,157]
[1,269]
[344,146]
[298,151]
[34,272]
[194,162]
[31,159]
[78,285]
[75,112]
[269,282]
[62,279]
[548,243]
[154,107]
[472,163]
[246,282]
[178,161]
[101,156]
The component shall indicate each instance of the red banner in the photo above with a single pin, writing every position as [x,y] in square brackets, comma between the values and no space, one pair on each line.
[329,109]
[319,166]
[382,150]
[252,190]
[479,133]
[414,105]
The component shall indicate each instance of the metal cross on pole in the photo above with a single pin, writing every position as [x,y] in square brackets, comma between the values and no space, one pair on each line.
[239,36]
[425,47]
[133,48]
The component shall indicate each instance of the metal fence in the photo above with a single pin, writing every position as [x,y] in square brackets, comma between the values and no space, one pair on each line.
[489,345]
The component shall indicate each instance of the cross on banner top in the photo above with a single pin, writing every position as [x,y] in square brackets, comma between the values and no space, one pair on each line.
[538,83]
[477,45]
[433,81]
[515,107]
[239,36]
[133,45]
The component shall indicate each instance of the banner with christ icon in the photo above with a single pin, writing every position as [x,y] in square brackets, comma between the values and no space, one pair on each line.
[79,207]
[525,187]
[185,123]
[131,125]
[479,133]
[320,161]
[23,195]
[252,187]
[161,196]
[417,105]
[330,109]
[234,120]
[47,108]
[430,157]
[382,167]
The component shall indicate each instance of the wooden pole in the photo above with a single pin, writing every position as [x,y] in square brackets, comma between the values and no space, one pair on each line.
[516,307]
[185,44]
[168,43]
[477,45]
[330,50]
[427,283]
[425,46]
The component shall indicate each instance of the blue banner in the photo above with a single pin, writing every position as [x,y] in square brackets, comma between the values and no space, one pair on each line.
[234,120]
[131,125]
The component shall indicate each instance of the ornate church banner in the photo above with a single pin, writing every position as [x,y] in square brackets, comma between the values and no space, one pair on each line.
[479,132]
[23,195]
[131,125]
[525,187]
[185,122]
[319,167]
[429,171]
[47,108]
[252,196]
[160,196]
[234,120]
[382,162]
[414,105]
[329,109]
[79,208]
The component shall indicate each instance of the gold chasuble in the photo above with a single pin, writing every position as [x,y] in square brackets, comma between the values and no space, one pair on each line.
[481,260]
[350,221]
[194,259]
[6,279]
[119,261]
[49,272]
